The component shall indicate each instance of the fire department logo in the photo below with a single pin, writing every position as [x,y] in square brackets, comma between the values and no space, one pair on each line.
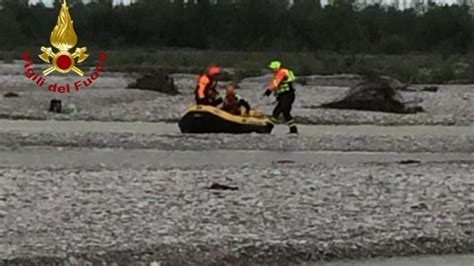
[63,38]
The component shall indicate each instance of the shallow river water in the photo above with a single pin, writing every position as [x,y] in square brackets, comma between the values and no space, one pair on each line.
[77,157]
[173,129]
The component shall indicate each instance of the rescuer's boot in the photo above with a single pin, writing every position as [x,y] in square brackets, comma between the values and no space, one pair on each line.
[293,130]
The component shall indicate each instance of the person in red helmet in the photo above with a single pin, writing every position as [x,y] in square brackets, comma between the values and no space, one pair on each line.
[232,102]
[205,92]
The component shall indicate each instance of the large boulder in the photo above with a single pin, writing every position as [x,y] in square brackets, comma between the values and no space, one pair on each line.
[157,81]
[375,94]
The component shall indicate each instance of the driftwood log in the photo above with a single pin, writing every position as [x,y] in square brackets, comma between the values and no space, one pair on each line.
[375,94]
[157,81]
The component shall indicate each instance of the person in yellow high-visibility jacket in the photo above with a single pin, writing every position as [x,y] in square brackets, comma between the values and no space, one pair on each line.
[282,86]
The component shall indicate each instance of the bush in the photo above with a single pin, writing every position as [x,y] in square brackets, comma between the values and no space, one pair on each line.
[443,73]
[394,44]
[419,68]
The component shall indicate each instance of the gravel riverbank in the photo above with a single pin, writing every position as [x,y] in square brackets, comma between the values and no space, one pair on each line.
[118,184]
[109,100]
[283,214]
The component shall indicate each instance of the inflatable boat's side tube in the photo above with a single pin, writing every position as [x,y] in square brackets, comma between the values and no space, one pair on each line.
[208,119]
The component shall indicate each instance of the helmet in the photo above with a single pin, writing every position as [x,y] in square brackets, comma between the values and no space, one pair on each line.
[213,70]
[230,90]
[274,65]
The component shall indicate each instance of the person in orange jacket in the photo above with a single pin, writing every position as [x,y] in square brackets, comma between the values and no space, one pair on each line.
[205,92]
[282,86]
[232,102]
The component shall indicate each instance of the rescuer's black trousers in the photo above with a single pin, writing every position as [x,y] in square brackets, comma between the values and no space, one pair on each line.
[285,102]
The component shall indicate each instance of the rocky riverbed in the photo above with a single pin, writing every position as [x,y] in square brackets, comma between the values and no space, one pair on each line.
[284,213]
[109,100]
[118,184]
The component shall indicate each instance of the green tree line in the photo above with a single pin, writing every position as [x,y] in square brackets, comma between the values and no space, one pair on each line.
[246,25]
